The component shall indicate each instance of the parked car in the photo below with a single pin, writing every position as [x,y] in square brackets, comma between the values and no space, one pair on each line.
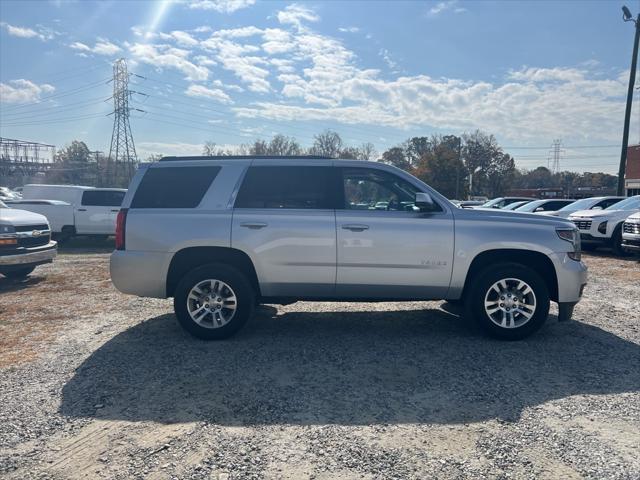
[25,242]
[592,203]
[470,203]
[514,205]
[501,202]
[631,234]
[547,205]
[8,194]
[221,234]
[603,228]
[74,210]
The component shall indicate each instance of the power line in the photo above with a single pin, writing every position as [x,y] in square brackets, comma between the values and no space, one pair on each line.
[58,95]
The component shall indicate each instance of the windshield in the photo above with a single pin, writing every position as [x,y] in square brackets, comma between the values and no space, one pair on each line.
[631,203]
[3,205]
[531,206]
[583,204]
[493,202]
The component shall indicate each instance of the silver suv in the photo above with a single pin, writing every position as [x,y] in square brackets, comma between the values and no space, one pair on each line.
[223,234]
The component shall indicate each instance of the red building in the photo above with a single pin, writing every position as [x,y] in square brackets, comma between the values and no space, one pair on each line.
[632,172]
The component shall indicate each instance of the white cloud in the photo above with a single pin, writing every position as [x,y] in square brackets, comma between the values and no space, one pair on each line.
[349,29]
[386,56]
[213,93]
[102,47]
[222,6]
[146,149]
[164,56]
[441,7]
[182,38]
[43,33]
[21,91]
[295,14]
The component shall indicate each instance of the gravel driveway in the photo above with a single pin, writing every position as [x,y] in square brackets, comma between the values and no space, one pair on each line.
[95,384]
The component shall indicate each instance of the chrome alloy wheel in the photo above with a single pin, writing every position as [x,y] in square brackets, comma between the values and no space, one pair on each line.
[510,303]
[212,303]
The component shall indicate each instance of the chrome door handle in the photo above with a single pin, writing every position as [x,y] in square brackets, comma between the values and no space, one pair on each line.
[253,225]
[354,227]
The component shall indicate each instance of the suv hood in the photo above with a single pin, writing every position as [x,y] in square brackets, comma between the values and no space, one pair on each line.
[509,216]
[603,214]
[15,217]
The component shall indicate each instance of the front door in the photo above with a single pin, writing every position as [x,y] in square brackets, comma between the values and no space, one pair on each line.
[283,218]
[387,247]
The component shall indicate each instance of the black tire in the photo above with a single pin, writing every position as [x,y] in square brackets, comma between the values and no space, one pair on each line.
[239,284]
[17,274]
[480,287]
[616,243]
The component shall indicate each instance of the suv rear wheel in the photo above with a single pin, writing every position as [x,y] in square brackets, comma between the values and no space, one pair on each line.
[509,301]
[214,301]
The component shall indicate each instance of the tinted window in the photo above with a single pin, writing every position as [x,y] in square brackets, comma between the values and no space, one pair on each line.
[174,187]
[287,187]
[556,205]
[102,198]
[373,189]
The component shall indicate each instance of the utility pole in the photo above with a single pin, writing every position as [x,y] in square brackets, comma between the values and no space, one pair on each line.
[122,153]
[458,168]
[627,17]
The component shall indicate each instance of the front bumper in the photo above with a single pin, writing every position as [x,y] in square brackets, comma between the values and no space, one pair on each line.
[23,257]
[572,277]
[631,242]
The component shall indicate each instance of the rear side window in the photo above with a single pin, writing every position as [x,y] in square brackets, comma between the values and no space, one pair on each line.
[174,187]
[288,187]
[99,198]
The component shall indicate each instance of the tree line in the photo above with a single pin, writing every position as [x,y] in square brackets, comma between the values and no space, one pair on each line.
[457,166]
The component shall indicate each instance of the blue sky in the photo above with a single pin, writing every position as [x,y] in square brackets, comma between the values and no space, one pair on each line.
[230,71]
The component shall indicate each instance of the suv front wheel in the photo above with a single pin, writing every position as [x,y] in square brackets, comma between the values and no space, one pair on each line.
[509,301]
[214,301]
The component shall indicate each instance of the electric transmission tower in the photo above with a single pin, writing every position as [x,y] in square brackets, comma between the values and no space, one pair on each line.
[553,161]
[122,153]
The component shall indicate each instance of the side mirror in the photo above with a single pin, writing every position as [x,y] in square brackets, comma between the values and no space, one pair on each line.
[539,209]
[597,208]
[424,201]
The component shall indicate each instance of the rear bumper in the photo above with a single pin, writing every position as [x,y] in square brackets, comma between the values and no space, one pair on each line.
[140,273]
[572,277]
[24,257]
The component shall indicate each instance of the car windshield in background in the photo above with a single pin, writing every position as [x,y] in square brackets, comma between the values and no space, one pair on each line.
[631,203]
[2,205]
[583,204]
[530,206]
[491,203]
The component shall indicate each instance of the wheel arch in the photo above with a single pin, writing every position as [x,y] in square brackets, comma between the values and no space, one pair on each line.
[537,261]
[189,258]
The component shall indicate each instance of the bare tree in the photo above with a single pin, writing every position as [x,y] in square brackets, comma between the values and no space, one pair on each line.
[327,144]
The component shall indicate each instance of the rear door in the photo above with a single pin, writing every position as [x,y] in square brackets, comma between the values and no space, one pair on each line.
[97,212]
[397,252]
[284,220]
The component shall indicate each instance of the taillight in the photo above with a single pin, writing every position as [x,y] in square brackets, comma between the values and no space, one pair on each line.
[121,224]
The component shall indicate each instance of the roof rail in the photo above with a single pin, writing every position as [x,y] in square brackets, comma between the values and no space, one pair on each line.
[246,157]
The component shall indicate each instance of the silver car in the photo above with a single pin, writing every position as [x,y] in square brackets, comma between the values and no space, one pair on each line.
[222,234]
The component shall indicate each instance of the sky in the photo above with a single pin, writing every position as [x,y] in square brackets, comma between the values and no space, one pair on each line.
[231,71]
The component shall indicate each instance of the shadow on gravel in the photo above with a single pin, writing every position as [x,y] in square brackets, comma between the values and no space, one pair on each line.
[84,245]
[345,368]
[14,285]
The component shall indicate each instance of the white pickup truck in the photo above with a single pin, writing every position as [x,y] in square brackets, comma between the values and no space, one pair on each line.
[72,209]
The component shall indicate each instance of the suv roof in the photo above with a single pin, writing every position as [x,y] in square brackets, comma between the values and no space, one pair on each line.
[246,157]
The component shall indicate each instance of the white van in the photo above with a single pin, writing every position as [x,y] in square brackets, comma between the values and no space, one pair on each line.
[74,209]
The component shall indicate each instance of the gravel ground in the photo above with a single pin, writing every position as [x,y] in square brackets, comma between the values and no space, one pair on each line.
[95,384]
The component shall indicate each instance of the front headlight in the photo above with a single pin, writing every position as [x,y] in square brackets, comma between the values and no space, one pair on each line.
[6,228]
[572,236]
